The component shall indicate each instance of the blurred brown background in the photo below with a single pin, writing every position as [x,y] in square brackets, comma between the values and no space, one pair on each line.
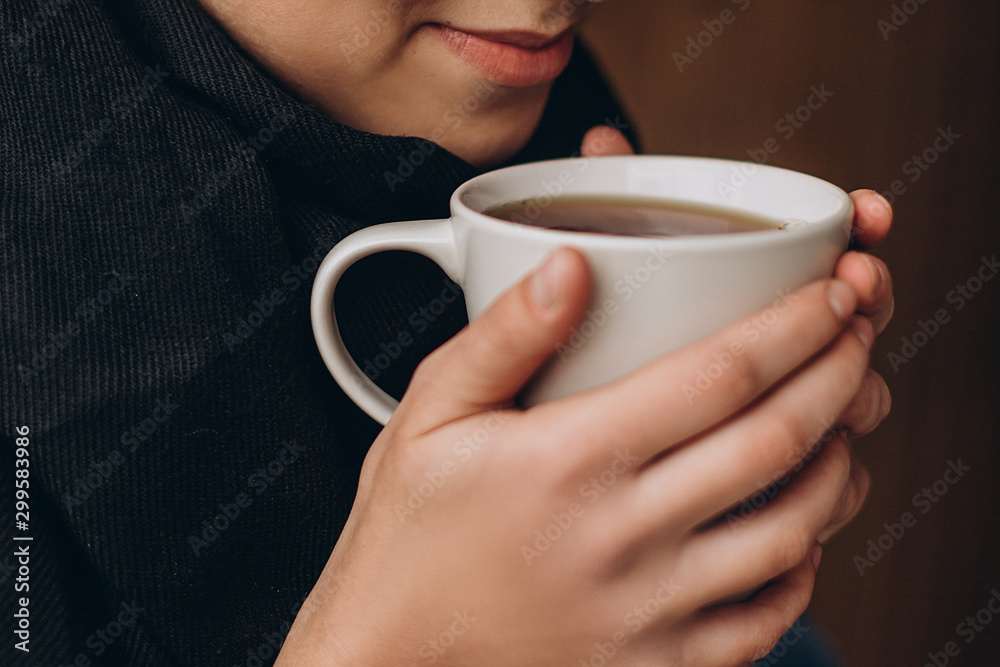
[891,97]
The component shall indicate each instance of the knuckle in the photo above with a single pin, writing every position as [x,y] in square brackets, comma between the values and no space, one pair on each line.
[860,358]
[862,486]
[891,308]
[875,403]
[840,461]
[777,442]
[889,286]
[772,626]
[560,451]
[799,599]
[886,273]
[568,454]
[863,412]
[762,646]
[851,507]
[747,378]
[881,318]
[852,364]
[793,542]
[884,398]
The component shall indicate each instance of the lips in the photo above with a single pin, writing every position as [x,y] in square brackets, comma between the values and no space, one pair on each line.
[516,59]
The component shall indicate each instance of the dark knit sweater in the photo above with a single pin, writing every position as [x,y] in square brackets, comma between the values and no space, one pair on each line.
[163,207]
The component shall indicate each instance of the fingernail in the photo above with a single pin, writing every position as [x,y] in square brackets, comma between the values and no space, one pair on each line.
[817,556]
[546,282]
[876,271]
[841,297]
[863,328]
[883,202]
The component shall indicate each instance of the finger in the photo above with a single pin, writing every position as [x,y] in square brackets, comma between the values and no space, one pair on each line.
[870,278]
[872,218]
[869,407]
[604,140]
[695,387]
[489,361]
[761,445]
[851,502]
[737,633]
[752,546]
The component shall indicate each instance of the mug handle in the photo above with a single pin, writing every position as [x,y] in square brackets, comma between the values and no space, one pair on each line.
[434,239]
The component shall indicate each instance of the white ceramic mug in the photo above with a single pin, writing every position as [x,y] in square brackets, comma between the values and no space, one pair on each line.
[650,295]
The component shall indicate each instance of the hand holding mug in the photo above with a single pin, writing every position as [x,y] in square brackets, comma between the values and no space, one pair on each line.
[588,524]
[619,481]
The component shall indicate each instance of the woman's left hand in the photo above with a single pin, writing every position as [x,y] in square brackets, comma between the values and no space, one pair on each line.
[868,275]
[870,278]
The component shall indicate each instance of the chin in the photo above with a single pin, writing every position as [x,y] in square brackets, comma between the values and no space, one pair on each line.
[489,138]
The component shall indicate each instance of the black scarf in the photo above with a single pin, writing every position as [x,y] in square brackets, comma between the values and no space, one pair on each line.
[163,207]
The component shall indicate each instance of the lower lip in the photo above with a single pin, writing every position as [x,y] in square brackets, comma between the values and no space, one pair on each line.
[508,64]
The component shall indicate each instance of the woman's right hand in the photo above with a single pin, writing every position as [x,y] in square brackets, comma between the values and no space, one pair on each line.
[593,525]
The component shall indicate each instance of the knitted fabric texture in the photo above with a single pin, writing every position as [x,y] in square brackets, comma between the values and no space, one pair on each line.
[164,205]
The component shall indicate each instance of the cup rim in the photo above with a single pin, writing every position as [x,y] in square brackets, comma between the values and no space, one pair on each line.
[840,217]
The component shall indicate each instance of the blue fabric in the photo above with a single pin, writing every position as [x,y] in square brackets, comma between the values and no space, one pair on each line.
[804,645]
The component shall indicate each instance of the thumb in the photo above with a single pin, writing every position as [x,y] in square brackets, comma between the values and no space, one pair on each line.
[605,140]
[488,362]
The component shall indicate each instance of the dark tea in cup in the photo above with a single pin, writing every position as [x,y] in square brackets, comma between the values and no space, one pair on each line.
[631,216]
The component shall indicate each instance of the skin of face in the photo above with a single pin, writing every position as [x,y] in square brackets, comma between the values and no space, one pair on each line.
[409,67]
